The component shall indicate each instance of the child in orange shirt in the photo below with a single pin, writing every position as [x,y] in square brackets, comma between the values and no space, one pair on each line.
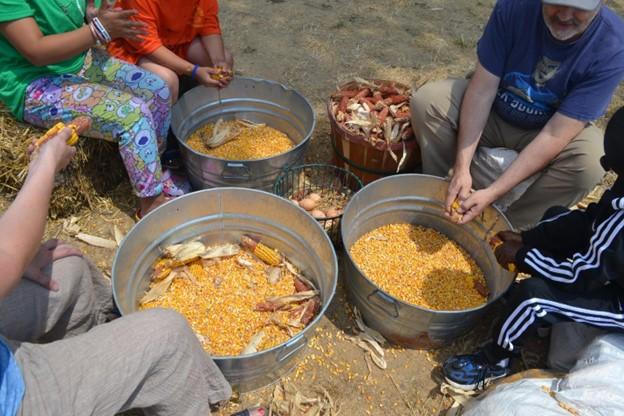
[184,38]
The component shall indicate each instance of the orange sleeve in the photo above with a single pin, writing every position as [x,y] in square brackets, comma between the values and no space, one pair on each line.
[148,14]
[210,25]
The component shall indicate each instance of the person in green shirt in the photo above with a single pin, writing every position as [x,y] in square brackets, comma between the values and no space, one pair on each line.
[51,72]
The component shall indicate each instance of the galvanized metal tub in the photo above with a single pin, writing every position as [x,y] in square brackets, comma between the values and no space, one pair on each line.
[418,199]
[252,99]
[223,215]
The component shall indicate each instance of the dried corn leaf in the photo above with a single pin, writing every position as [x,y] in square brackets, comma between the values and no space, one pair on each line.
[249,124]
[295,271]
[185,251]
[373,350]
[226,250]
[244,262]
[294,298]
[221,134]
[274,274]
[159,289]
[363,82]
[254,343]
[403,159]
[70,226]
[96,241]
[359,322]
[119,236]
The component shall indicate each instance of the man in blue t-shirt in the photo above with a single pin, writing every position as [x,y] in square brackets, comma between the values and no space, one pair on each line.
[545,70]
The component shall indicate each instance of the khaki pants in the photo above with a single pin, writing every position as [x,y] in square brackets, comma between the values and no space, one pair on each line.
[74,364]
[565,181]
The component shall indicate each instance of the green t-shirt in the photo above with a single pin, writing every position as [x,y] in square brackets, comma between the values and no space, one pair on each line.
[16,72]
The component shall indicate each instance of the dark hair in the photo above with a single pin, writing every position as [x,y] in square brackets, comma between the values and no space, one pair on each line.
[614,142]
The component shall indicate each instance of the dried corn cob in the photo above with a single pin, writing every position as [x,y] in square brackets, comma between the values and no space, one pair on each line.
[263,252]
[78,126]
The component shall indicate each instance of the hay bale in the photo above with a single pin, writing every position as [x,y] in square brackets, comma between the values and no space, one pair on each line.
[94,172]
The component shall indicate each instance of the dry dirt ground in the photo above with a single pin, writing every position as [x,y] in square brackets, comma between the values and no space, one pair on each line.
[313,46]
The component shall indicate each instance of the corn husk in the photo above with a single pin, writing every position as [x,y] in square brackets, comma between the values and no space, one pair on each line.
[95,241]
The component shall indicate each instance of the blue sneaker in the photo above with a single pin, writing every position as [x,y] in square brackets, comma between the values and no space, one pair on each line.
[472,372]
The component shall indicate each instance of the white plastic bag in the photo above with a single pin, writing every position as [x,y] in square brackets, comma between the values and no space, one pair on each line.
[593,387]
[488,164]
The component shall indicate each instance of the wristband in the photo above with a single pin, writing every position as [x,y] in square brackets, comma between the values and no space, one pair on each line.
[194,71]
[99,27]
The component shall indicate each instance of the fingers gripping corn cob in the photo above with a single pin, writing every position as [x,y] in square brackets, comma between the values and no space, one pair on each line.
[78,126]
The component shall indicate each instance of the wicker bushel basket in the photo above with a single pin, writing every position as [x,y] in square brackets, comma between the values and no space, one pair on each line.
[354,153]
[319,178]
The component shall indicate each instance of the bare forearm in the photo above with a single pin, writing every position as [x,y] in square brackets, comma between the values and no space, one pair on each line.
[214,47]
[165,57]
[23,225]
[51,49]
[537,155]
[475,110]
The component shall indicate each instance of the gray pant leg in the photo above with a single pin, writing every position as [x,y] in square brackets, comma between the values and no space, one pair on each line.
[150,360]
[32,313]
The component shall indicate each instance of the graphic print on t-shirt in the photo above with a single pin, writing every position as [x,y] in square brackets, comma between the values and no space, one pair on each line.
[524,99]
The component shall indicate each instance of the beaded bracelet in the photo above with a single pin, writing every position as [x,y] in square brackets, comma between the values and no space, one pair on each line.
[101,30]
[194,71]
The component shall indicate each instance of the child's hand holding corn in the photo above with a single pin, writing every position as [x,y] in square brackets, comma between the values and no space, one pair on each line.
[506,245]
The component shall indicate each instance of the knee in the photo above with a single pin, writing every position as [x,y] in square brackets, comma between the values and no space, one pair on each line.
[172,80]
[528,288]
[166,325]
[552,212]
[422,99]
[70,272]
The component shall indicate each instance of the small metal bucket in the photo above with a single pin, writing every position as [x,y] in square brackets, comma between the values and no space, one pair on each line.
[418,199]
[223,215]
[252,99]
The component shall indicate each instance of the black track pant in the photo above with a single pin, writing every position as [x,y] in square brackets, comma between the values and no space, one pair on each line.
[536,300]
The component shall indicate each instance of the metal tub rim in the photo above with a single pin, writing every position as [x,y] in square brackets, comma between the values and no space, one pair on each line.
[300,337]
[303,142]
[392,298]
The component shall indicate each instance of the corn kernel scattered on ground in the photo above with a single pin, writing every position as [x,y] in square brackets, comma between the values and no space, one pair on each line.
[252,142]
[419,265]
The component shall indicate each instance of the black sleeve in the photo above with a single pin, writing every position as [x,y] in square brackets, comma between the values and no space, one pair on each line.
[583,271]
[562,234]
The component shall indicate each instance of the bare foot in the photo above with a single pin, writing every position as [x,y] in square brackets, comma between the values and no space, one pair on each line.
[146,205]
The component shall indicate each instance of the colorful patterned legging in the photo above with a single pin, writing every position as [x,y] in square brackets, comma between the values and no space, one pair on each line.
[127,104]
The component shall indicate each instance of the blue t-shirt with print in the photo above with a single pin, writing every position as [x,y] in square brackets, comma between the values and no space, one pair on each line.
[541,75]
[11,382]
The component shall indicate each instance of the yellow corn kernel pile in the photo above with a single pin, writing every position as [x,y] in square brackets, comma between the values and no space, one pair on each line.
[419,265]
[219,304]
[252,142]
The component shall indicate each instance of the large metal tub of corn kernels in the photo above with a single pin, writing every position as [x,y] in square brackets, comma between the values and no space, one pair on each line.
[223,215]
[256,100]
[418,199]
